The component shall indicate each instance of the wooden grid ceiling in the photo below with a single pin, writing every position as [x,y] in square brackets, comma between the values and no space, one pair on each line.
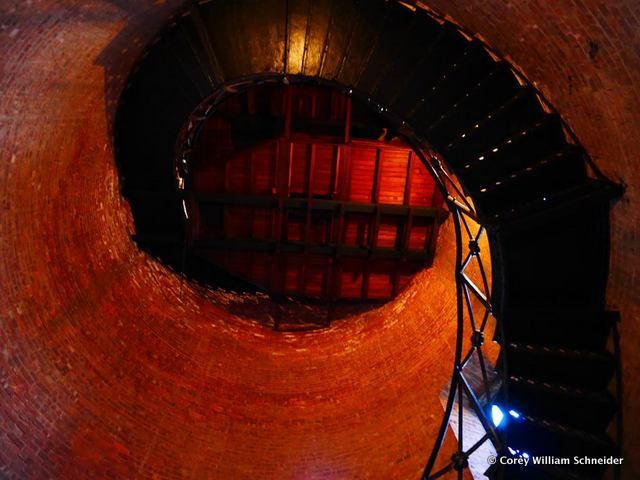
[303,192]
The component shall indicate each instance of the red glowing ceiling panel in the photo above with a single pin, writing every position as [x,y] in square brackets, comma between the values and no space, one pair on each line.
[298,191]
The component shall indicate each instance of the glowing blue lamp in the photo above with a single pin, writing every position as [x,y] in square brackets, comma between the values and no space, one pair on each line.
[497,415]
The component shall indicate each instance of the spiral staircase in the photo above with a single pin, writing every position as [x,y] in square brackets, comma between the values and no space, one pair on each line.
[542,201]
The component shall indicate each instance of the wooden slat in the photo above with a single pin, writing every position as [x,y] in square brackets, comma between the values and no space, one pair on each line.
[409,178]
[374,223]
[307,228]
[347,122]
[268,246]
[345,160]
[291,182]
[335,172]
[375,189]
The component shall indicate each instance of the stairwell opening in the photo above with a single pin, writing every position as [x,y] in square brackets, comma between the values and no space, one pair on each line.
[293,191]
[115,367]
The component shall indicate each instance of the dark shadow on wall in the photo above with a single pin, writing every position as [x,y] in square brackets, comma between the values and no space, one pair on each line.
[145,18]
[145,182]
[144,151]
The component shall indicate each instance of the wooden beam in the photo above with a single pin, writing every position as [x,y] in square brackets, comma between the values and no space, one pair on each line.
[375,188]
[308,217]
[317,204]
[374,224]
[406,235]
[403,244]
[311,163]
[408,180]
[279,219]
[345,178]
[276,190]
[289,168]
[269,246]
[335,171]
[347,121]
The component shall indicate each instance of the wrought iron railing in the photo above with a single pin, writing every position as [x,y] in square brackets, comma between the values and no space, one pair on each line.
[472,319]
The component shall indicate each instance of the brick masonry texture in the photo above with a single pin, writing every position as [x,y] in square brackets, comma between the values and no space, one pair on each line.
[110,368]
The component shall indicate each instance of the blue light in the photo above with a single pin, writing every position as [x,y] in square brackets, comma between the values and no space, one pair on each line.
[514,414]
[496,415]
[518,453]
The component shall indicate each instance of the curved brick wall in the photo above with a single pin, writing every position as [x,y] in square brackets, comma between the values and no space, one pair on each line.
[111,368]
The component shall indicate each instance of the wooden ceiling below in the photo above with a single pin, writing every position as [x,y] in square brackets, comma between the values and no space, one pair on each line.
[303,192]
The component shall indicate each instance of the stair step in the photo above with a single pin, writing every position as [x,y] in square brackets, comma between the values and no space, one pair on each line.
[456,141]
[428,67]
[380,32]
[515,115]
[539,437]
[518,152]
[410,58]
[592,370]
[581,196]
[448,104]
[580,330]
[496,180]
[578,408]
[556,260]
[471,67]
[472,109]
[554,174]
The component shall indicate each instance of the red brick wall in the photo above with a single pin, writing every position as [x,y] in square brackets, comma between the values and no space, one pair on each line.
[109,368]
[585,56]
